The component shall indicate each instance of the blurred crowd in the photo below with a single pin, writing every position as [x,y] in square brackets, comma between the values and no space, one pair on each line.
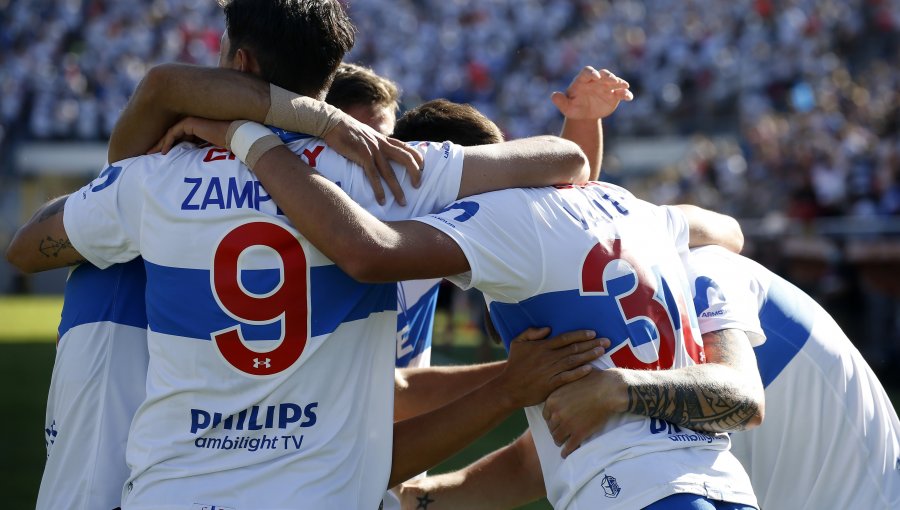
[797,100]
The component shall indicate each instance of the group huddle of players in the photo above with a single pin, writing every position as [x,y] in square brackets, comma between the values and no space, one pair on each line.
[234,337]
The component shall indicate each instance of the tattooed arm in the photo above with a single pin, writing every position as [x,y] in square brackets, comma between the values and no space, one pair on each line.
[723,395]
[507,478]
[42,243]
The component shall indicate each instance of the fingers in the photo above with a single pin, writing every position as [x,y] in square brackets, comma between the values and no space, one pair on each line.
[387,173]
[532,334]
[571,337]
[581,370]
[374,178]
[561,101]
[410,158]
[572,443]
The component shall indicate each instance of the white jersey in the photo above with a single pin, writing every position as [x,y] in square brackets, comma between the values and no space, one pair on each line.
[830,438]
[270,383]
[416,306]
[596,257]
[98,382]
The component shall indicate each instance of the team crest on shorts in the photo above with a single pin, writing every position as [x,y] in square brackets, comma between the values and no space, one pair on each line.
[610,486]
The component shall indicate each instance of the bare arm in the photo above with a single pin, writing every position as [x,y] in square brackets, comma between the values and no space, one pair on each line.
[169,92]
[593,95]
[709,227]
[507,478]
[42,243]
[529,162]
[361,245]
[723,395]
[420,390]
[535,368]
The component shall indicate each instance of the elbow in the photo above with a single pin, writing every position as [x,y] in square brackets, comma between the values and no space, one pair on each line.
[758,415]
[360,266]
[15,255]
[736,238]
[152,88]
[574,164]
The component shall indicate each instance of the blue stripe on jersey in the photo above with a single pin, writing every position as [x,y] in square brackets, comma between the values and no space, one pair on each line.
[288,136]
[569,310]
[419,319]
[114,294]
[786,318]
[180,301]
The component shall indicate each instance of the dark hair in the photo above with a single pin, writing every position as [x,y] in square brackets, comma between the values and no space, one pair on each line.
[357,85]
[439,120]
[297,43]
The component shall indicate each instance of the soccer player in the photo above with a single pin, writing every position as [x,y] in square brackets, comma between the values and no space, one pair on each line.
[607,245]
[225,423]
[367,97]
[98,381]
[831,438]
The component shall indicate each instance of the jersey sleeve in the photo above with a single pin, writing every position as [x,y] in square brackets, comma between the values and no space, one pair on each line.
[441,177]
[102,219]
[677,225]
[723,296]
[497,234]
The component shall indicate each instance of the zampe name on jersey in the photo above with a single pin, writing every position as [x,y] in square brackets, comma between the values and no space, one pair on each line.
[282,416]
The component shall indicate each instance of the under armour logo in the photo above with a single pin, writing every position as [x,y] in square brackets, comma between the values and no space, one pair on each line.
[265,363]
[50,435]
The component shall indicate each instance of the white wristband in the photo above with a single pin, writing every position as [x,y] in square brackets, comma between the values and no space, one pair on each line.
[245,136]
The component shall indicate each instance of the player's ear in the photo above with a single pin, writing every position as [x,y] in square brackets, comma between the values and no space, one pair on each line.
[245,61]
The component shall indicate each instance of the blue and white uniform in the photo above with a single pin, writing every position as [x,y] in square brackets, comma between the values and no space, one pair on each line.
[98,381]
[416,306]
[596,257]
[270,384]
[830,438]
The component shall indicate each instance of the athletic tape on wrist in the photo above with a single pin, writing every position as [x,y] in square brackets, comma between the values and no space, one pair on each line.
[249,141]
[301,114]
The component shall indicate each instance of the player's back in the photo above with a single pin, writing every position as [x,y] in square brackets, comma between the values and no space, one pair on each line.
[597,258]
[98,381]
[269,367]
[831,437]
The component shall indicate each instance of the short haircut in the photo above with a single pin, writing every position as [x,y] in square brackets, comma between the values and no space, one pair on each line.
[357,85]
[297,43]
[439,120]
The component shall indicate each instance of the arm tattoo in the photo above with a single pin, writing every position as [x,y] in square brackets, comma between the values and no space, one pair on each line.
[50,247]
[709,401]
[423,501]
[702,408]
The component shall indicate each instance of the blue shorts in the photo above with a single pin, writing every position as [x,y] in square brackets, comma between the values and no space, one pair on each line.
[694,502]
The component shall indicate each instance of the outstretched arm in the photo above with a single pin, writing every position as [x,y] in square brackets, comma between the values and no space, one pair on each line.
[170,92]
[709,227]
[421,390]
[593,95]
[723,395]
[361,245]
[507,478]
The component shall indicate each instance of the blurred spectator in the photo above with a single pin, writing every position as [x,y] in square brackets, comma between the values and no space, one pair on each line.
[811,88]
